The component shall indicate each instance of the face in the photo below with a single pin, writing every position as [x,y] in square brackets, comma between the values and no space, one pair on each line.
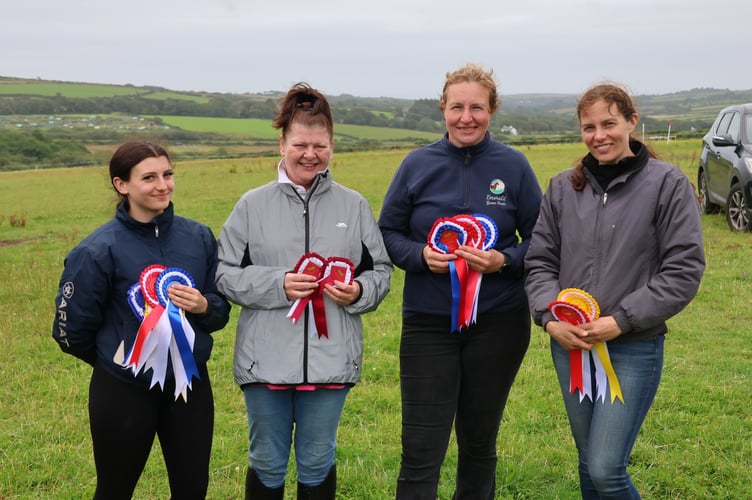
[467,113]
[149,188]
[606,132]
[307,151]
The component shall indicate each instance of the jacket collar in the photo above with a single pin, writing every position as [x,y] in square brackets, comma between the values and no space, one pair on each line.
[608,175]
[163,221]
[471,151]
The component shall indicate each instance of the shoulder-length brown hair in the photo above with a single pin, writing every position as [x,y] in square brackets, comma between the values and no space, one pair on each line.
[615,96]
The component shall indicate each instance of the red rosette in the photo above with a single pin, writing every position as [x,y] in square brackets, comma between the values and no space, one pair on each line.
[446,235]
[148,282]
[569,313]
[476,235]
[311,264]
[338,269]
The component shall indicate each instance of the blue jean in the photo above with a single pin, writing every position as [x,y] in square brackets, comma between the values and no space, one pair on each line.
[605,433]
[273,417]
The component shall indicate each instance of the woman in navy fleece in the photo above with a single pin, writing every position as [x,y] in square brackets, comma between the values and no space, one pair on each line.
[448,374]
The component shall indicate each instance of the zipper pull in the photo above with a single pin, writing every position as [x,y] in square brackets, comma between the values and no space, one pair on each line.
[156,231]
[605,198]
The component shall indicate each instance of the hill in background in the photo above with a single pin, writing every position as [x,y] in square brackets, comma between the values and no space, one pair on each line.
[44,119]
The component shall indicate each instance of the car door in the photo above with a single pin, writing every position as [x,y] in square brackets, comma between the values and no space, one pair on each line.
[720,159]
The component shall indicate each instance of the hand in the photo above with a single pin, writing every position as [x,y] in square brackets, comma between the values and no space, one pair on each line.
[342,294]
[602,329]
[569,336]
[483,261]
[188,298]
[299,285]
[437,262]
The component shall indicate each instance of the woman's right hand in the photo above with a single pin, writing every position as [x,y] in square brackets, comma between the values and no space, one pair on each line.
[569,336]
[437,262]
[299,285]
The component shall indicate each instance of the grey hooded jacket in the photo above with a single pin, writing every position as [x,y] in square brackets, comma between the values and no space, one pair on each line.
[268,231]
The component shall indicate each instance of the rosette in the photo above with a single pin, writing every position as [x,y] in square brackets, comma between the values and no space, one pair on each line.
[577,307]
[326,271]
[491,230]
[136,301]
[162,336]
[446,236]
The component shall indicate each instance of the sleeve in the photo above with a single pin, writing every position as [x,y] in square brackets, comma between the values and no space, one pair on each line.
[374,281]
[238,279]
[218,313]
[394,222]
[81,304]
[542,262]
[681,259]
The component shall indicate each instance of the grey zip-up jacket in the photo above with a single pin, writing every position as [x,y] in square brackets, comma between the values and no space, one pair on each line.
[268,231]
[635,247]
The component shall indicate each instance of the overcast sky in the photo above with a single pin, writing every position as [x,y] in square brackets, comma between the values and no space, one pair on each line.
[371,48]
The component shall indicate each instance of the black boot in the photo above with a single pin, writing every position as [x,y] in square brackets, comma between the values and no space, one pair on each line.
[324,491]
[255,489]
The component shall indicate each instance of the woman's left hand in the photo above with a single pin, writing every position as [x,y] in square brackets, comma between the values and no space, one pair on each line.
[188,298]
[602,329]
[342,294]
[483,261]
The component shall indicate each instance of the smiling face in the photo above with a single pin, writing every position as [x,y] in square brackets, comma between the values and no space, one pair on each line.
[149,188]
[467,113]
[307,151]
[606,132]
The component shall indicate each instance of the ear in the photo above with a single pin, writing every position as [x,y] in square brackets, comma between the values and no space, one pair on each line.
[120,186]
[282,145]
[633,122]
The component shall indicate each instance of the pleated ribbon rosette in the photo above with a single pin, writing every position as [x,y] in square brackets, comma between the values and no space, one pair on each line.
[576,307]
[327,271]
[446,236]
[165,335]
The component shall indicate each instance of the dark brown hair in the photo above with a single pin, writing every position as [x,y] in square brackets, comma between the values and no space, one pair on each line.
[472,73]
[306,106]
[128,156]
[615,96]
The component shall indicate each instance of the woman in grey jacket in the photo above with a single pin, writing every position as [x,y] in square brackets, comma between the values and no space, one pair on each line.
[624,227]
[304,259]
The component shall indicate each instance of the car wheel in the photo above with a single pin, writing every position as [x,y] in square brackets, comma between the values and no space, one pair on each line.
[736,212]
[708,207]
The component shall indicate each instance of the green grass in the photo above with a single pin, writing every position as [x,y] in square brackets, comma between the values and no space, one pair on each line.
[262,129]
[87,90]
[696,442]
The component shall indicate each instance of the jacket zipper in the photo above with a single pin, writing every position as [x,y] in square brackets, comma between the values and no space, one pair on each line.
[465,175]
[306,318]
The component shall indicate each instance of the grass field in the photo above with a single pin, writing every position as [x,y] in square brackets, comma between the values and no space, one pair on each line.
[696,442]
[87,90]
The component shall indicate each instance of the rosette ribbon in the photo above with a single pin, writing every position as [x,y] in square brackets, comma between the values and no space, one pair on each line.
[165,333]
[448,234]
[578,307]
[327,271]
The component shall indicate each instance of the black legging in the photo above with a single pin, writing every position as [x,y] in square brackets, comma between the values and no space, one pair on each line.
[461,377]
[124,419]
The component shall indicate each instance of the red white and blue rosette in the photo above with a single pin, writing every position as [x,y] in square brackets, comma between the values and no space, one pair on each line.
[164,333]
[183,336]
[448,234]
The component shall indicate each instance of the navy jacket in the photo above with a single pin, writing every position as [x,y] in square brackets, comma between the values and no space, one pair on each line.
[92,314]
[441,180]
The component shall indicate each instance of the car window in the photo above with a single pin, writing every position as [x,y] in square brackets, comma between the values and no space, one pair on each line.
[735,127]
[748,128]
[723,124]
